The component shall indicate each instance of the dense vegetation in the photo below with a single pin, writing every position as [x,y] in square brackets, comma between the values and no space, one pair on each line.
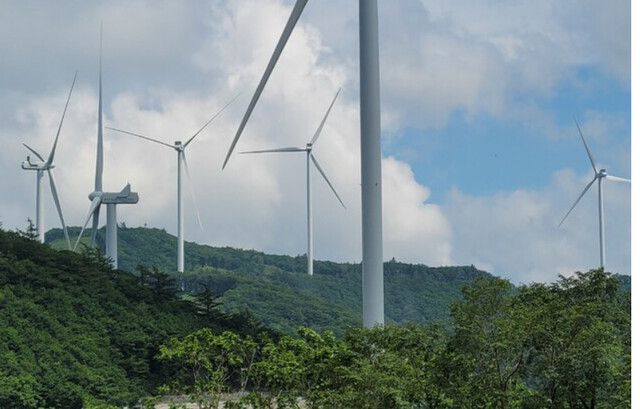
[277,290]
[566,345]
[73,331]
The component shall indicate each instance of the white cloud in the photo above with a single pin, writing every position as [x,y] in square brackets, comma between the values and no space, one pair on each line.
[414,230]
[496,58]
[560,33]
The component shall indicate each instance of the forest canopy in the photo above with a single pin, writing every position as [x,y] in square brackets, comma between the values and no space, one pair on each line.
[75,333]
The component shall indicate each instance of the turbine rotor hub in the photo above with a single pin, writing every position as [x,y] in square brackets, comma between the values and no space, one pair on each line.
[94,194]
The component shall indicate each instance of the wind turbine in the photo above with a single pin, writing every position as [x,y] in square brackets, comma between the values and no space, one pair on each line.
[110,199]
[370,151]
[179,147]
[310,158]
[599,175]
[48,165]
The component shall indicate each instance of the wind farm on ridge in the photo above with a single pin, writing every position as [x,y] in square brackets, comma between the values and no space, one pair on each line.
[126,193]
[390,204]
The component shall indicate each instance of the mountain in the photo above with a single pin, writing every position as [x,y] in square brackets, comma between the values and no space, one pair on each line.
[277,290]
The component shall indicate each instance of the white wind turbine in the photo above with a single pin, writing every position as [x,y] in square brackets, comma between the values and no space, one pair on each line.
[48,165]
[370,151]
[110,199]
[310,158]
[599,175]
[179,147]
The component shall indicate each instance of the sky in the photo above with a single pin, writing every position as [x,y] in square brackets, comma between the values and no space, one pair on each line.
[481,155]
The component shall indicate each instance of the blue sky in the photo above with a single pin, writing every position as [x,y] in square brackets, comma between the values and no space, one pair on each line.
[481,155]
[485,155]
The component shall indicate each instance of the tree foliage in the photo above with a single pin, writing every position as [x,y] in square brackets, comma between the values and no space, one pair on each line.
[74,332]
[563,345]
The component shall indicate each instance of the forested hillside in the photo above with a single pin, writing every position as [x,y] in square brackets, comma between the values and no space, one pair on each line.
[277,290]
[74,331]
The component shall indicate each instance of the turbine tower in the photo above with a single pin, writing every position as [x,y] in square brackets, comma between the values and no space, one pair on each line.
[179,147]
[110,199]
[310,158]
[370,151]
[42,166]
[599,175]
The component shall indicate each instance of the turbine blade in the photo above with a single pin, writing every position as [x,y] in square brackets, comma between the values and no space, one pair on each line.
[99,154]
[618,179]
[293,19]
[277,150]
[193,195]
[54,193]
[577,200]
[140,136]
[95,205]
[210,120]
[94,226]
[315,162]
[33,151]
[584,141]
[55,143]
[317,134]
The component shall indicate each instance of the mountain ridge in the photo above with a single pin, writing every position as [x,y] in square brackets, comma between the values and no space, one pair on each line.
[277,290]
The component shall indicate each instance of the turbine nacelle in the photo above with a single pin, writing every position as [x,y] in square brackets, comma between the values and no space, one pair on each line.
[602,173]
[177,145]
[126,196]
[28,165]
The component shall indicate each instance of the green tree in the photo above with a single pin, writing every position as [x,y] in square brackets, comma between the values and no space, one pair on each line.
[31,231]
[161,284]
[485,363]
[393,367]
[581,336]
[207,302]
[209,362]
[279,374]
